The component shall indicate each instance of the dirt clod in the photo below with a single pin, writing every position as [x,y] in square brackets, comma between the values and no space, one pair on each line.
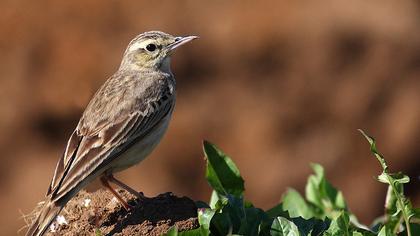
[99,213]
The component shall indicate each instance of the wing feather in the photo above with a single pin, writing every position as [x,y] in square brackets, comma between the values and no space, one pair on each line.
[65,160]
[94,152]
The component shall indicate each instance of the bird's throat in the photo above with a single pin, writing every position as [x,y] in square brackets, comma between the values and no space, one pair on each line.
[165,66]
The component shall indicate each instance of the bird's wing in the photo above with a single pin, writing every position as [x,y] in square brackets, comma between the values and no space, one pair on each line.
[87,151]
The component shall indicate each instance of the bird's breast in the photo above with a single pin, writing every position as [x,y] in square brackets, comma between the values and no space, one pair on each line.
[142,148]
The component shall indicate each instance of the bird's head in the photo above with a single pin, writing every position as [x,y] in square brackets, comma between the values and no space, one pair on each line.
[152,50]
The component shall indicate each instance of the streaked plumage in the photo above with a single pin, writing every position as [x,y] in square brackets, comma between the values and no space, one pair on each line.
[121,125]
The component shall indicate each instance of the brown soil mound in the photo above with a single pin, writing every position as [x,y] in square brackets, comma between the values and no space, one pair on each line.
[99,213]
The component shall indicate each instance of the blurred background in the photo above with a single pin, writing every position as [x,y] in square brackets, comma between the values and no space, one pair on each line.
[277,85]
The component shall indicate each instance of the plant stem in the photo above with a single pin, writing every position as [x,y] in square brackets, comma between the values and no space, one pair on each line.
[401,204]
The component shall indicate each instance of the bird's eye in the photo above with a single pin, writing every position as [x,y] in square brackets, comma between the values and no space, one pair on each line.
[151,47]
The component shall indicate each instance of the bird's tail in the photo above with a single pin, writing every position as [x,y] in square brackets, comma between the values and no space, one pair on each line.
[44,219]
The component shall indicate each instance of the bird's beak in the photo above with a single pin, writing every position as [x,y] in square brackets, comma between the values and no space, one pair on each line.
[181,41]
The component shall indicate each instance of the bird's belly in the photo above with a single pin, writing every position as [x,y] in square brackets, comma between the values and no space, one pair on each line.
[140,150]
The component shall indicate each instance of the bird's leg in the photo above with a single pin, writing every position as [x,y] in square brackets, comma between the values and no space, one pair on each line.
[105,183]
[122,185]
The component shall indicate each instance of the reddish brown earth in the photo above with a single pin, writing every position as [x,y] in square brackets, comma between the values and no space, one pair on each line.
[99,213]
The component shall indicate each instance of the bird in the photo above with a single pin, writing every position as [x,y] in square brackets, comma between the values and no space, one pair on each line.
[121,125]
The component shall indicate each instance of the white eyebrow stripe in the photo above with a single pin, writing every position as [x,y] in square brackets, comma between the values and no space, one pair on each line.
[138,45]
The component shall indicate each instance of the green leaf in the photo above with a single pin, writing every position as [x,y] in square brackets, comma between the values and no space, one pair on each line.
[385,231]
[283,227]
[362,232]
[294,203]
[415,229]
[236,210]
[344,221]
[221,224]
[327,199]
[311,226]
[373,149]
[392,211]
[277,210]
[250,224]
[201,204]
[204,218]
[361,228]
[221,204]
[213,199]
[392,178]
[416,213]
[193,232]
[269,216]
[221,173]
[340,226]
[173,231]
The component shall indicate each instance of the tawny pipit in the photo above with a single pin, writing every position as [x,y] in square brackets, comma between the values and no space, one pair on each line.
[121,125]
